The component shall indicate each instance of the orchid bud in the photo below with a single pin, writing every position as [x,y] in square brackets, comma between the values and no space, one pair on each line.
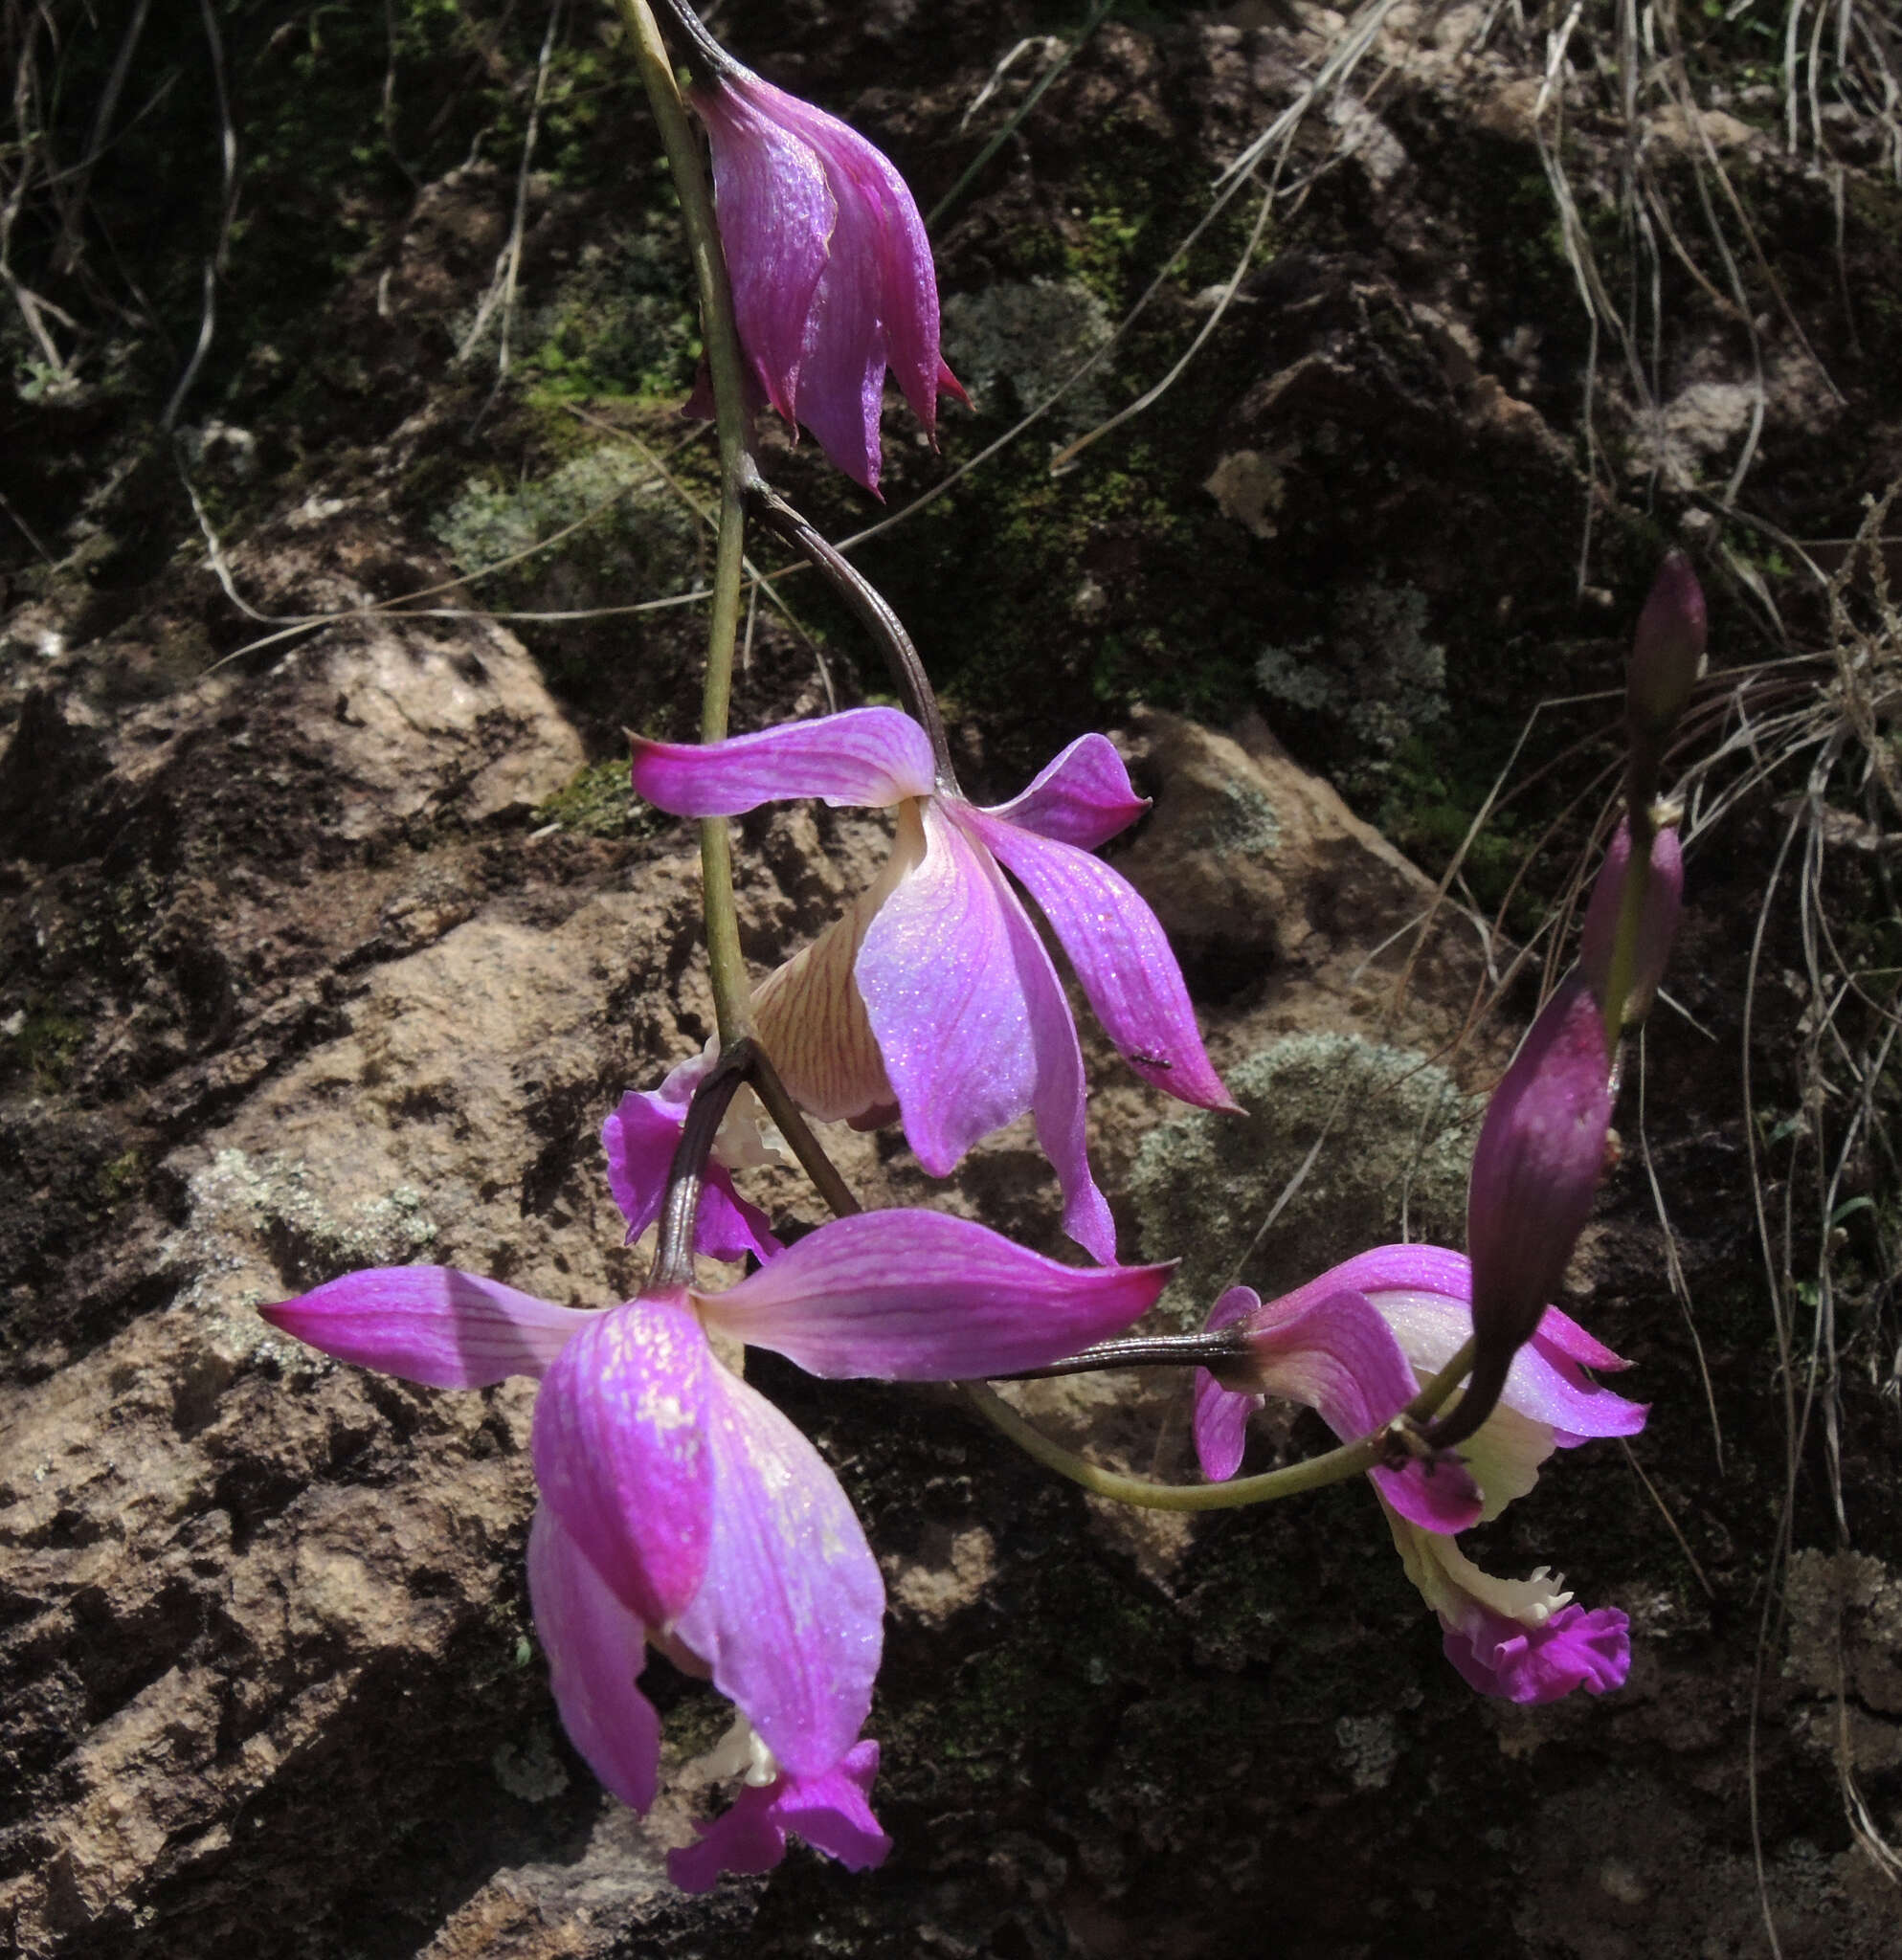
[1667,651]
[1657,922]
[1540,1152]
[830,267]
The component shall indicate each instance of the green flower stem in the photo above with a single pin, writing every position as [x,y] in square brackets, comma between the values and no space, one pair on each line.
[733,988]
[1336,1466]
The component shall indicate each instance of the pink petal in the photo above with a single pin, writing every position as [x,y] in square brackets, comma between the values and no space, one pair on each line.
[830,1812]
[431,1324]
[921,1296]
[1543,1380]
[842,363]
[1338,1356]
[619,1455]
[1573,1649]
[900,275]
[1082,798]
[973,1024]
[640,1138]
[864,756]
[596,1649]
[790,1618]
[1121,955]
[775,212]
[1221,1426]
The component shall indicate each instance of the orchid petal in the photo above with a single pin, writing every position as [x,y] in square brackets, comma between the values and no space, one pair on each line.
[775,212]
[1543,1381]
[830,1812]
[1082,798]
[921,1296]
[620,1454]
[1573,1649]
[973,1024]
[1518,1638]
[810,1013]
[1338,1356]
[596,1649]
[431,1324]
[843,358]
[1120,953]
[790,1619]
[869,757]
[640,1138]
[1221,1426]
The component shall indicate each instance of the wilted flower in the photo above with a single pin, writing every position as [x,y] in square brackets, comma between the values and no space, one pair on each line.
[830,267]
[680,1508]
[933,995]
[1355,1345]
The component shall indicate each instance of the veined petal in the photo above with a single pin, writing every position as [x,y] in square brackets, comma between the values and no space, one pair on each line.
[640,1138]
[843,359]
[596,1649]
[620,1455]
[1221,1426]
[790,1618]
[1120,952]
[1543,1382]
[810,1013]
[830,1812]
[1082,798]
[973,1024]
[1338,1356]
[429,1324]
[921,1296]
[871,757]
[775,211]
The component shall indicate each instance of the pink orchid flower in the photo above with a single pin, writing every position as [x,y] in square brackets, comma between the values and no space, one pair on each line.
[680,1509]
[640,1138]
[1355,1346]
[830,267]
[933,996]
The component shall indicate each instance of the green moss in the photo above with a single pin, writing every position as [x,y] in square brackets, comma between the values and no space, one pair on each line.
[1394,1165]
[40,1043]
[598,801]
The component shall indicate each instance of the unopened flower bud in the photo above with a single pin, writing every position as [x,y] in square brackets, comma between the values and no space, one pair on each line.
[1540,1152]
[1668,649]
[1657,922]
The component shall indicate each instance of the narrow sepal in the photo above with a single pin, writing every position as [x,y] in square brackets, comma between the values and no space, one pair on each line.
[431,1324]
[1120,952]
[922,1295]
[869,757]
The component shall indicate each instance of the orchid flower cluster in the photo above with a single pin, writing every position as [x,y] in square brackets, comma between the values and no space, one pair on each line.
[678,1511]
